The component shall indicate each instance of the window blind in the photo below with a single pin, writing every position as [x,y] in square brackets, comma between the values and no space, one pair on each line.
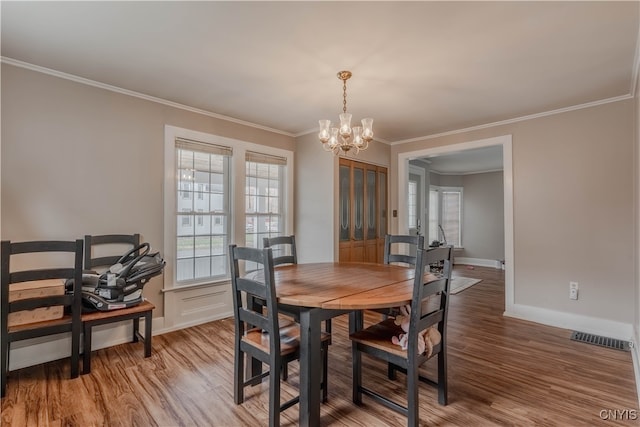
[265,158]
[190,144]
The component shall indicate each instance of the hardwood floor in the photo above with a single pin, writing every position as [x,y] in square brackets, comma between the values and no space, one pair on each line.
[502,371]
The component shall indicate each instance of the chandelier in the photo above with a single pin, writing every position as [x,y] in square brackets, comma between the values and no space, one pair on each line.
[345,138]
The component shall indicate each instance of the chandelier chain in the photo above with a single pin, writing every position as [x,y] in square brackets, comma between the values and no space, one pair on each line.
[344,96]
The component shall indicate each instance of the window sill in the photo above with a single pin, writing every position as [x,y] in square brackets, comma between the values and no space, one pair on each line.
[191,286]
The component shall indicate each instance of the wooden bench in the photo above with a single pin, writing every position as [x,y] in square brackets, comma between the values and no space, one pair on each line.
[89,320]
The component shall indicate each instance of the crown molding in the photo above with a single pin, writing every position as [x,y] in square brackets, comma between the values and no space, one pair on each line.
[518,119]
[88,82]
[464,173]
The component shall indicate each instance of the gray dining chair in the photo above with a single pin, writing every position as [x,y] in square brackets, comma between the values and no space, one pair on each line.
[400,249]
[258,332]
[284,249]
[376,340]
[69,301]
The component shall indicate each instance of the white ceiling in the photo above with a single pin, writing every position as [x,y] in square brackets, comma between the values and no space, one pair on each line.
[420,68]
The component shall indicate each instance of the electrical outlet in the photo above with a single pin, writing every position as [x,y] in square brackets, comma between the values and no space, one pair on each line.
[573,290]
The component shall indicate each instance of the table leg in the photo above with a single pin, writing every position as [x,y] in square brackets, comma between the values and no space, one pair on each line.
[356,321]
[310,362]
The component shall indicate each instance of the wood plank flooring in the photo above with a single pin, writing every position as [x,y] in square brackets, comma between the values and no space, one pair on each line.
[502,372]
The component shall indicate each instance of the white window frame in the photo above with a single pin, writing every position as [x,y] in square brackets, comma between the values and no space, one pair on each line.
[237,199]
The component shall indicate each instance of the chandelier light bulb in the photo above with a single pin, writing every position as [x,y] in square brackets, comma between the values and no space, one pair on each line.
[324,133]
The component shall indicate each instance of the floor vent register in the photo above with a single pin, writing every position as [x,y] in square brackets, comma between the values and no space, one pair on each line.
[601,341]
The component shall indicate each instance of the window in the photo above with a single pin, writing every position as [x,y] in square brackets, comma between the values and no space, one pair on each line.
[264,197]
[201,248]
[215,190]
[445,215]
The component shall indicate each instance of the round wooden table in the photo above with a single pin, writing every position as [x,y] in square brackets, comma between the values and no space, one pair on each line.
[321,291]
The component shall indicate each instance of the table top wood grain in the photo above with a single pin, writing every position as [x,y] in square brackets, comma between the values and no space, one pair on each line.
[344,285]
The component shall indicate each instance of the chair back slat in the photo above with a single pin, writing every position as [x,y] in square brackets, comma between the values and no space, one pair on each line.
[91,241]
[435,286]
[284,249]
[252,287]
[430,319]
[48,301]
[391,241]
[41,246]
[41,274]
[253,318]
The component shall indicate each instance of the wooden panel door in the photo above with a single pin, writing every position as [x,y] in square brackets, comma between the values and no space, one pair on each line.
[362,211]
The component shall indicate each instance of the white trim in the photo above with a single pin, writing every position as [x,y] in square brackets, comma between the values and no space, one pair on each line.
[479,262]
[517,119]
[465,173]
[46,349]
[135,94]
[575,322]
[507,160]
[417,170]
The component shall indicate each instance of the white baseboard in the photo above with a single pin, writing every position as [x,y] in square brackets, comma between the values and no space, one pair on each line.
[46,349]
[493,263]
[576,322]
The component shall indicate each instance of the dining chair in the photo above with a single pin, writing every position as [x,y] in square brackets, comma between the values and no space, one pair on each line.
[101,252]
[285,247]
[400,249]
[376,340]
[69,300]
[259,334]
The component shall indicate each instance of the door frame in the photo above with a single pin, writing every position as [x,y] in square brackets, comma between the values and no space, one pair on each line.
[416,170]
[507,160]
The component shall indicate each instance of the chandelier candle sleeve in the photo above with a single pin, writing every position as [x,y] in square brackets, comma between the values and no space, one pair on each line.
[345,138]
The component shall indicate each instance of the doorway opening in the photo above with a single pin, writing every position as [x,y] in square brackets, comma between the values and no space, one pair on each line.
[504,142]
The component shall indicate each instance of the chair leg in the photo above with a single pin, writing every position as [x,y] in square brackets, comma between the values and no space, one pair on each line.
[356,358]
[274,391]
[4,364]
[325,368]
[285,371]
[136,328]
[75,350]
[238,376]
[413,407]
[443,393]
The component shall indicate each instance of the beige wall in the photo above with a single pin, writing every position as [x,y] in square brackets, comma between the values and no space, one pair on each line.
[82,160]
[573,195]
[483,216]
